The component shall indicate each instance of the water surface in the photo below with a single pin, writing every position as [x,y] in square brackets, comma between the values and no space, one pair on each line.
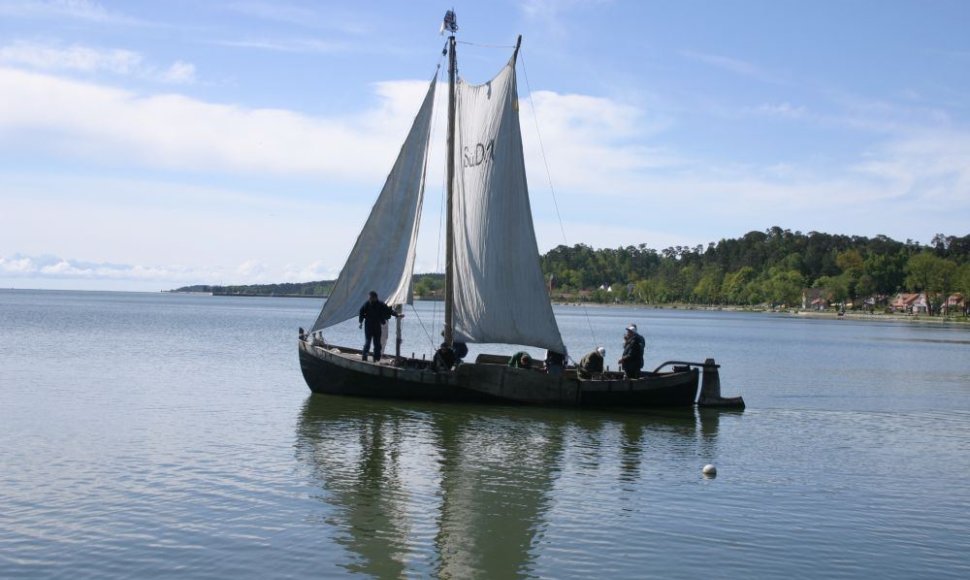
[163,436]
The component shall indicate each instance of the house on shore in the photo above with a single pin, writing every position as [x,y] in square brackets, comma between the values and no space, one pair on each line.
[955,303]
[910,303]
[815,299]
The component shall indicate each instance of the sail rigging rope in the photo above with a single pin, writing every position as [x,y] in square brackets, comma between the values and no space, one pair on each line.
[427,153]
[485,45]
[552,189]
[417,315]
[442,204]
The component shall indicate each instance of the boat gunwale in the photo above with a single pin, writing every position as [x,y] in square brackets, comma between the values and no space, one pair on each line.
[601,382]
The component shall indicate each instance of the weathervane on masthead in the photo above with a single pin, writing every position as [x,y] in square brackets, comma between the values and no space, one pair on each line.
[450,23]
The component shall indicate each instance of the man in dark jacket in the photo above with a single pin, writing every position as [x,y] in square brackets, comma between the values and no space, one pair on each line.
[632,359]
[373,315]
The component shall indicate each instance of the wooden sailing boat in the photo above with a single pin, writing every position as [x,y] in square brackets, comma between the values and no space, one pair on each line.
[495,291]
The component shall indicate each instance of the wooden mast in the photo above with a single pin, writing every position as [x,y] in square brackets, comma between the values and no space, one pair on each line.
[449,227]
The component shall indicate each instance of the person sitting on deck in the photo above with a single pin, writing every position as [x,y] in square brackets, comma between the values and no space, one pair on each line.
[555,362]
[444,358]
[520,360]
[460,349]
[592,363]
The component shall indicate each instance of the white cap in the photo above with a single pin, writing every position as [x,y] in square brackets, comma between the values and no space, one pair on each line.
[601,350]
[632,328]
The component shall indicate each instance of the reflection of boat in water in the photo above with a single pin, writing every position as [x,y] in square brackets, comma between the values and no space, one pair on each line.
[459,491]
[472,487]
[495,292]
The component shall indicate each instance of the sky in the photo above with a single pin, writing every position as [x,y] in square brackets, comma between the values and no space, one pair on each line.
[146,146]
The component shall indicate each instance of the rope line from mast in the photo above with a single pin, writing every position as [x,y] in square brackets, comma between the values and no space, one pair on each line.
[552,189]
[424,173]
[431,138]
[417,316]
[506,46]
[441,220]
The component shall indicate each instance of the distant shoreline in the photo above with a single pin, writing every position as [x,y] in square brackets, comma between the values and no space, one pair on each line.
[849,315]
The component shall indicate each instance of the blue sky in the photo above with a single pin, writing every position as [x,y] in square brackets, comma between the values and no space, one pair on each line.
[150,145]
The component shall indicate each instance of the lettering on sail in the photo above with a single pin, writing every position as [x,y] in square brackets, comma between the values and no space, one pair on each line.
[476,155]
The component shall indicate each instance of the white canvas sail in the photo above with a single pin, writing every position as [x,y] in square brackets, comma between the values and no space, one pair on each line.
[383,257]
[500,293]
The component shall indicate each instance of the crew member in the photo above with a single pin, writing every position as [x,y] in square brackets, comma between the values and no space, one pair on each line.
[633,346]
[372,317]
[592,363]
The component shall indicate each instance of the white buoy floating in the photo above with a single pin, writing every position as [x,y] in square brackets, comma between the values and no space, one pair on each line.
[709,470]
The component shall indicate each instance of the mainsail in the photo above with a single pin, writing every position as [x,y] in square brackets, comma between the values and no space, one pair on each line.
[383,257]
[500,293]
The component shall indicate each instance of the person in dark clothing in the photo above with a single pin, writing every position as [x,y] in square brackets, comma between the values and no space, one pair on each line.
[373,315]
[633,346]
[520,360]
[444,358]
[592,363]
[461,350]
[555,362]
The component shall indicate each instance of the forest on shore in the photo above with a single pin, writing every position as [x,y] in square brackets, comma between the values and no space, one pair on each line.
[772,267]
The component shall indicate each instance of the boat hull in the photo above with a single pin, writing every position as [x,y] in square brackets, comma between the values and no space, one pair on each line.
[339,371]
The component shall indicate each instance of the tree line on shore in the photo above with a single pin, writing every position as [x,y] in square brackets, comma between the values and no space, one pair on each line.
[320,288]
[772,267]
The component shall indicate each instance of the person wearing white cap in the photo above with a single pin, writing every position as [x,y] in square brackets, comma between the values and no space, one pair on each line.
[633,347]
[592,363]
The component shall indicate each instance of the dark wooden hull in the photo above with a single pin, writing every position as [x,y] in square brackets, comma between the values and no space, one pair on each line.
[340,371]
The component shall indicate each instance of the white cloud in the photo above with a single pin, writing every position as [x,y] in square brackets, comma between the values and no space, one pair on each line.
[78,58]
[600,147]
[174,233]
[926,165]
[170,131]
[54,268]
[547,9]
[179,73]
[733,65]
[84,59]
[287,13]
[782,110]
[593,144]
[352,19]
[616,184]
[250,270]
[605,234]
[17,265]
[83,10]
[20,266]
[294,45]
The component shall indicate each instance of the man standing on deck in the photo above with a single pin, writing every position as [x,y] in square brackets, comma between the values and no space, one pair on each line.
[372,317]
[633,346]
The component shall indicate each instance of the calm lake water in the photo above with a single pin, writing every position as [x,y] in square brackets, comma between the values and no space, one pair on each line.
[173,436]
